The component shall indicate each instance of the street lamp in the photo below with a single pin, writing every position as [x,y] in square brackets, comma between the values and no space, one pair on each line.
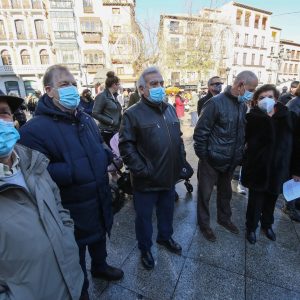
[84,70]
[227,74]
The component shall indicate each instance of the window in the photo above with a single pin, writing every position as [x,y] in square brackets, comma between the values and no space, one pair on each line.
[285,68]
[264,23]
[245,59]
[25,57]
[175,42]
[247,18]
[39,28]
[87,6]
[120,71]
[259,75]
[263,42]
[190,27]
[291,68]
[117,29]
[237,37]
[44,57]
[235,59]
[191,76]
[246,39]
[238,18]
[93,58]
[254,40]
[6,59]
[174,27]
[261,58]
[16,4]
[274,35]
[191,43]
[256,21]
[12,87]
[29,87]
[115,11]
[296,69]
[298,55]
[253,59]
[68,56]
[293,54]
[20,29]
[272,51]
[2,30]
[91,26]
[36,4]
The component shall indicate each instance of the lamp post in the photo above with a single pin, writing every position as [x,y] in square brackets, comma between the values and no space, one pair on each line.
[227,74]
[84,70]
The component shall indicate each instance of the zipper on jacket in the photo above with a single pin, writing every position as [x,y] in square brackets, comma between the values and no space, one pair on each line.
[164,117]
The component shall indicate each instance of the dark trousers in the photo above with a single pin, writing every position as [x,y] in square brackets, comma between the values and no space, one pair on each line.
[144,203]
[98,255]
[261,206]
[207,178]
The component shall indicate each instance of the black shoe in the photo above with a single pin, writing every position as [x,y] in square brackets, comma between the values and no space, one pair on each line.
[147,260]
[292,213]
[269,233]
[208,234]
[229,226]
[171,245]
[109,273]
[251,237]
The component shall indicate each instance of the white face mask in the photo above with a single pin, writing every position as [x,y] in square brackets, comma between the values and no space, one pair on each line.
[266,104]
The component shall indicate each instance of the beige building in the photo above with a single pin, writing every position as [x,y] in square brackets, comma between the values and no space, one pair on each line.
[85,35]
[25,45]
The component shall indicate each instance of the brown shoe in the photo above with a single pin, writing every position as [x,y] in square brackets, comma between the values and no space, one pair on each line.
[208,234]
[229,226]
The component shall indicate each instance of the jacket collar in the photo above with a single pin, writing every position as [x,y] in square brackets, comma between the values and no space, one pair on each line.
[227,92]
[161,107]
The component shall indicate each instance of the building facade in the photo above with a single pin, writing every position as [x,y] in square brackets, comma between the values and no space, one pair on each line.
[85,35]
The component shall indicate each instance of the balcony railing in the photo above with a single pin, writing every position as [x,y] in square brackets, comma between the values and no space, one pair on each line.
[21,36]
[119,2]
[177,30]
[94,37]
[88,9]
[22,69]
[61,4]
[94,68]
[64,34]
[72,66]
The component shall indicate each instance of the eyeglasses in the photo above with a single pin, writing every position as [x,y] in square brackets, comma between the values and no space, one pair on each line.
[217,83]
[156,82]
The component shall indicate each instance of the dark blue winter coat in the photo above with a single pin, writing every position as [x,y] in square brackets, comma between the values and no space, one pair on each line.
[87,107]
[78,165]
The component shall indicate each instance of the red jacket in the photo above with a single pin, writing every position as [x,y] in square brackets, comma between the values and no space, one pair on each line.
[179,107]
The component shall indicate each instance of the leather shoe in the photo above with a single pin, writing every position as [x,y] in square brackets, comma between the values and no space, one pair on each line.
[251,237]
[171,245]
[229,226]
[269,233]
[208,234]
[147,260]
[109,273]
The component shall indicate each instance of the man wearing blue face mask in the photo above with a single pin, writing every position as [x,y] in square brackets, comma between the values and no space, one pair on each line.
[78,157]
[152,148]
[219,143]
[39,255]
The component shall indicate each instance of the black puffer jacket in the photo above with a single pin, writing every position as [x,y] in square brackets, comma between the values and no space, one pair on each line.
[151,145]
[219,133]
[295,165]
[269,143]
[108,111]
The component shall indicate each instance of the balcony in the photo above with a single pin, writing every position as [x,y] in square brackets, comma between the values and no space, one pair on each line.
[92,37]
[5,4]
[21,36]
[88,9]
[26,4]
[94,68]
[64,35]
[22,69]
[72,66]
[61,4]
[37,5]
[121,58]
[119,2]
[178,30]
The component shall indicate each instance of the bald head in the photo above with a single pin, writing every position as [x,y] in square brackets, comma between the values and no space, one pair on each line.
[247,77]
[244,81]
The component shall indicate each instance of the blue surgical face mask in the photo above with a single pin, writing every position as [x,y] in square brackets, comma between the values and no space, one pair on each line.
[157,95]
[266,104]
[69,97]
[9,135]
[246,97]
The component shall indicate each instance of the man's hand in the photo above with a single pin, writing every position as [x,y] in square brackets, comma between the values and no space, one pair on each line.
[296,178]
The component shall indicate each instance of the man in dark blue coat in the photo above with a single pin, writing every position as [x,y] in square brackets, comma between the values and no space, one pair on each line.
[78,164]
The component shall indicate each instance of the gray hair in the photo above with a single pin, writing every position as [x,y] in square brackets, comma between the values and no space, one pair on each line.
[142,82]
[246,76]
[211,79]
[48,76]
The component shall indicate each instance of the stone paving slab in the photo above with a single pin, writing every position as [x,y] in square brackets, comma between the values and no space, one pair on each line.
[230,268]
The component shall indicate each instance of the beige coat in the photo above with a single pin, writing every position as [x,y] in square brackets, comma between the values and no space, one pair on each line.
[39,257]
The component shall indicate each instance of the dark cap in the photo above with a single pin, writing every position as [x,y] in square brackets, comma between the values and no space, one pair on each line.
[12,101]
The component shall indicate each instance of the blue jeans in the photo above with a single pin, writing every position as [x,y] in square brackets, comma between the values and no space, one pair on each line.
[144,203]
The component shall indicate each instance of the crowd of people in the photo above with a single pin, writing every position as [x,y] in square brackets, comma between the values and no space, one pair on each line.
[55,197]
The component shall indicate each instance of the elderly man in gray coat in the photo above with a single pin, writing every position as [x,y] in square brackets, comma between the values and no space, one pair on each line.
[39,257]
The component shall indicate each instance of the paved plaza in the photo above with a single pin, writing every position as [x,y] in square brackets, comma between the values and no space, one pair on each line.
[230,268]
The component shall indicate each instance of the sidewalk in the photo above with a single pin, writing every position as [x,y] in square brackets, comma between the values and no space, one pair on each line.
[230,268]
